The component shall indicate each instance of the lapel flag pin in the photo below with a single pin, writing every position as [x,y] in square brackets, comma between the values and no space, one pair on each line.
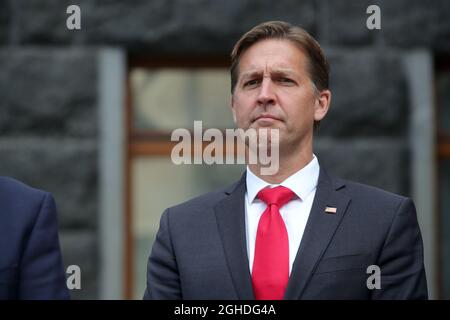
[330,210]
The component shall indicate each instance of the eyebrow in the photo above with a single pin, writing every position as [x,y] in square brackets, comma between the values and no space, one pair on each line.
[277,71]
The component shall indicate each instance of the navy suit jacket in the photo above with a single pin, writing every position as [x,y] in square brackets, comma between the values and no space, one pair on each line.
[30,259]
[200,249]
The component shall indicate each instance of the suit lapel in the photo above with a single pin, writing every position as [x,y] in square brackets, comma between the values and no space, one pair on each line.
[230,214]
[319,231]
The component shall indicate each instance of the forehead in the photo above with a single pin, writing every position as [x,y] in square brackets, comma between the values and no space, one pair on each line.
[272,54]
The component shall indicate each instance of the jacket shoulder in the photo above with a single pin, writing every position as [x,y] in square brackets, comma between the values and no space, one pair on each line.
[12,188]
[18,201]
[373,196]
[201,202]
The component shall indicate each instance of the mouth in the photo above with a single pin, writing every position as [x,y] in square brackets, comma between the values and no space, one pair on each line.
[267,118]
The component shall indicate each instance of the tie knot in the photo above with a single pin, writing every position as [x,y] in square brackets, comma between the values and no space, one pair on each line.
[279,195]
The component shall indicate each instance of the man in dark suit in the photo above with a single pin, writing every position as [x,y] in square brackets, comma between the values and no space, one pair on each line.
[300,233]
[30,259]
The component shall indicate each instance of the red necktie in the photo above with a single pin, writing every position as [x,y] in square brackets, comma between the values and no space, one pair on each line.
[270,273]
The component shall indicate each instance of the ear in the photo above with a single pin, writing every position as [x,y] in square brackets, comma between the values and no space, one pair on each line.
[322,104]
[233,110]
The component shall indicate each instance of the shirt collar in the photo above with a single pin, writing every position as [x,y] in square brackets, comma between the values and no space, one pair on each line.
[301,183]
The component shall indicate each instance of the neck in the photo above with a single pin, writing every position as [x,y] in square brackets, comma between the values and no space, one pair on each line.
[290,163]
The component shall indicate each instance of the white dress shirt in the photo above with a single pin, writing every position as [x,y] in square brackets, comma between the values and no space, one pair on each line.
[295,213]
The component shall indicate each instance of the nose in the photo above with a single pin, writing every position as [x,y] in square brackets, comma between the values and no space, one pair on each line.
[266,95]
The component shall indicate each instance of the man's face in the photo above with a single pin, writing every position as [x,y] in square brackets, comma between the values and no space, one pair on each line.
[274,90]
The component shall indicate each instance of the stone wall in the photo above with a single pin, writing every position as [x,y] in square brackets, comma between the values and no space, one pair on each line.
[48,87]
[48,139]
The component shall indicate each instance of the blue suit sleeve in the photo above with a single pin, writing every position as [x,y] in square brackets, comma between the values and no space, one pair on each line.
[42,273]
[401,259]
[163,281]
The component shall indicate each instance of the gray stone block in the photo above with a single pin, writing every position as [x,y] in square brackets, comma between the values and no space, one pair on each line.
[159,26]
[369,94]
[102,22]
[44,22]
[47,92]
[213,27]
[383,163]
[344,22]
[80,247]
[65,167]
[5,14]
[253,12]
[202,26]
[414,23]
